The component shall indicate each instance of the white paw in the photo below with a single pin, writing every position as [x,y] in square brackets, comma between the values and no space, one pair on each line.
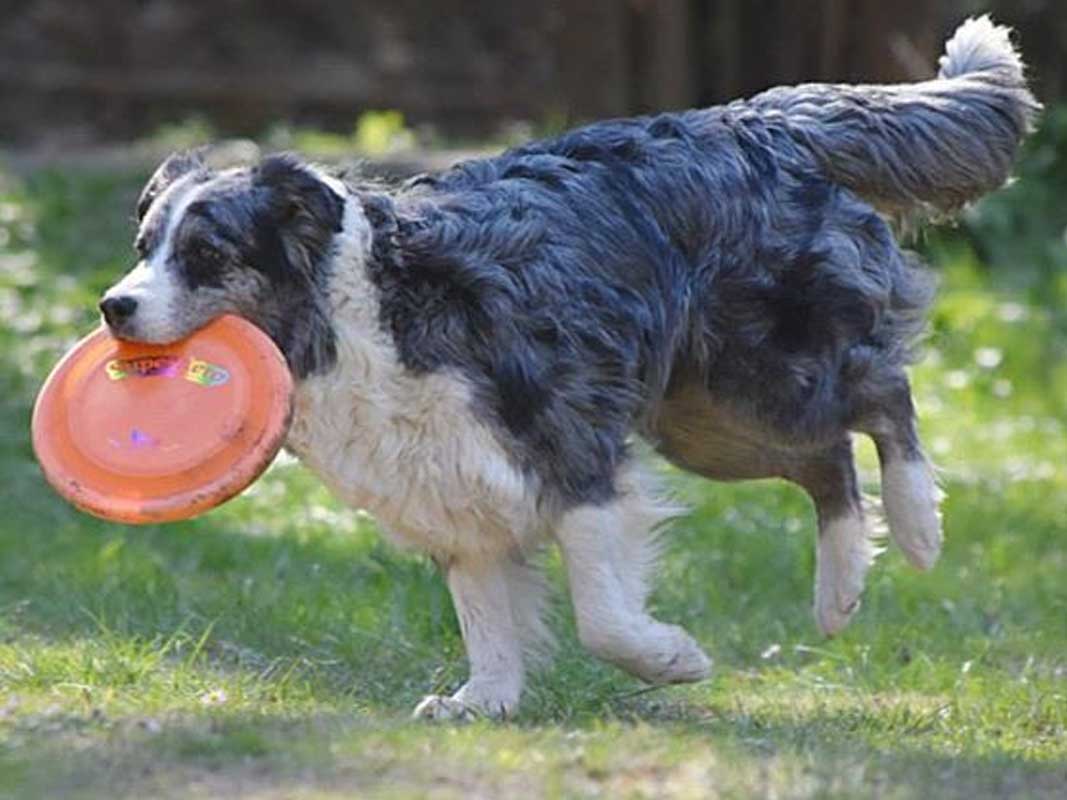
[677,658]
[472,701]
[911,497]
[833,610]
[844,553]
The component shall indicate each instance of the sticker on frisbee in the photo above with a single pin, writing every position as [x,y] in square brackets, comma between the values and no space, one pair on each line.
[206,374]
[151,433]
[142,367]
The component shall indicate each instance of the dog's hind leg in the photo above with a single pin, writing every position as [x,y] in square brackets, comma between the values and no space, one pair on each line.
[844,550]
[910,493]
[482,594]
[608,550]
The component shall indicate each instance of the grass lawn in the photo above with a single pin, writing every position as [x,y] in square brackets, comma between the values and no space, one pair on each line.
[275,647]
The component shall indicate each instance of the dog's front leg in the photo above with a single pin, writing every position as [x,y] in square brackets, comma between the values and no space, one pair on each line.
[605,569]
[481,595]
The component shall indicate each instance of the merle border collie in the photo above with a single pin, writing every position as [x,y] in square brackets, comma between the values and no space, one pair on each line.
[476,352]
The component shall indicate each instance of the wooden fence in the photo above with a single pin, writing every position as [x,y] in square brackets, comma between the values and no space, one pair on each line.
[120,68]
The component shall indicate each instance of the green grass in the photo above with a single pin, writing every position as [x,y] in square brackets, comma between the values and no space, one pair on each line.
[274,648]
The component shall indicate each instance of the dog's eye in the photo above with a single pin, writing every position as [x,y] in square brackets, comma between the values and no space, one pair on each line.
[207,255]
[203,263]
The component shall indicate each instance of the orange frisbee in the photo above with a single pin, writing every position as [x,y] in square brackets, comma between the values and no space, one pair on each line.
[152,433]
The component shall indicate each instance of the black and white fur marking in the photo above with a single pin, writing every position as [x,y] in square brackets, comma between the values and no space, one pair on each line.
[476,350]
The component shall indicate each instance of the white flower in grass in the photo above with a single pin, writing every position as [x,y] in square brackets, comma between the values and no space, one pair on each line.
[1002,388]
[1011,312]
[988,357]
[772,652]
[957,379]
[216,697]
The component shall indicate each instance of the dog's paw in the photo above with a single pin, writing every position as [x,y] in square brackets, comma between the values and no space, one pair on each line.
[471,702]
[833,610]
[844,554]
[677,658]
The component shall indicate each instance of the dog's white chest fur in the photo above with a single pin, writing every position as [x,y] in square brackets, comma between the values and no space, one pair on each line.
[405,447]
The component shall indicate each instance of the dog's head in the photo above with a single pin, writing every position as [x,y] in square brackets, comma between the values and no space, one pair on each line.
[254,241]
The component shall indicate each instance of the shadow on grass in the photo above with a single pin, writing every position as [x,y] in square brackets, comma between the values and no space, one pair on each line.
[266,755]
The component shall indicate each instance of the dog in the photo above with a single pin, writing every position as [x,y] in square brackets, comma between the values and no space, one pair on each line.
[476,352]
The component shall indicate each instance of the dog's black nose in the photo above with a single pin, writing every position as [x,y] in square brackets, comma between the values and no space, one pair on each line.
[117,310]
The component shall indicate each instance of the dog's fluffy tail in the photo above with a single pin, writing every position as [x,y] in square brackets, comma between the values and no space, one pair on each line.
[930,146]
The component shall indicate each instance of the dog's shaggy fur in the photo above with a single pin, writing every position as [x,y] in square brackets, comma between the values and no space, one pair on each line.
[476,350]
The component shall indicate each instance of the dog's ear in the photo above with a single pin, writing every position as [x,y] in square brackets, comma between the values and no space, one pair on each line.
[305,211]
[175,166]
